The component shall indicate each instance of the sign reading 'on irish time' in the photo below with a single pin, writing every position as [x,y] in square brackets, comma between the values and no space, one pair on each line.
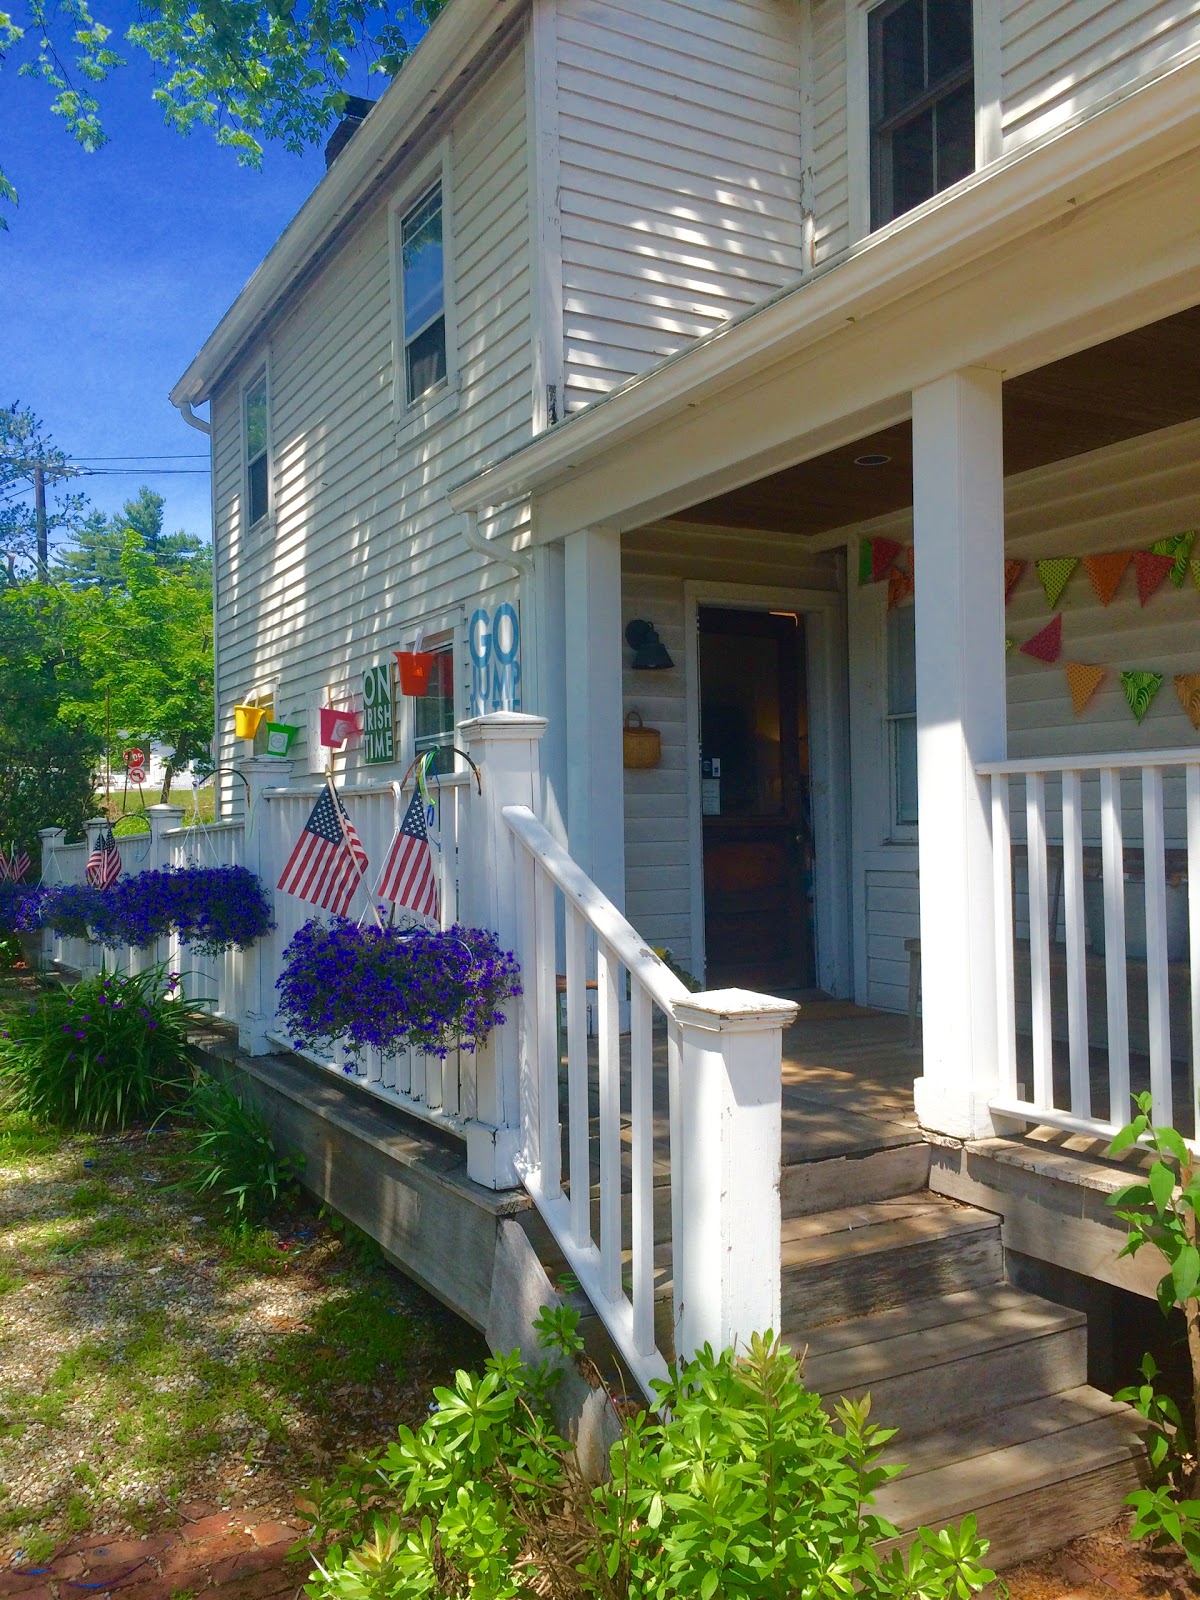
[378,742]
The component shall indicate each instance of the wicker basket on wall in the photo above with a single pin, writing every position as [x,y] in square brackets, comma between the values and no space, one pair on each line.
[643,746]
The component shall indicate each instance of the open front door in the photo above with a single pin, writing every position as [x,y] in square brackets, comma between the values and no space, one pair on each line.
[757,829]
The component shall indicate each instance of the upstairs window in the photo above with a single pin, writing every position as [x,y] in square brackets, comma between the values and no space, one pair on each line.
[256,434]
[423,291]
[922,88]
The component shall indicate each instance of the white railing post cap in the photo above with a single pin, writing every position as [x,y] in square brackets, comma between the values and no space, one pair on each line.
[52,833]
[503,725]
[281,765]
[162,809]
[734,1011]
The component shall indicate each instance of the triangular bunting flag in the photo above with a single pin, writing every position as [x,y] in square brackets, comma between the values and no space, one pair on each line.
[1179,547]
[1151,570]
[1187,686]
[1106,573]
[1194,563]
[1083,681]
[1012,575]
[883,554]
[864,561]
[1140,689]
[1046,645]
[900,586]
[1054,574]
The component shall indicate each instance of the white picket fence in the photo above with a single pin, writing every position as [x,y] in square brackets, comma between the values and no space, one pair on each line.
[1096,880]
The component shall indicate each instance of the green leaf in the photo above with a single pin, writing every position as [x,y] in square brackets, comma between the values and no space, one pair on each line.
[1185,1272]
[1162,1185]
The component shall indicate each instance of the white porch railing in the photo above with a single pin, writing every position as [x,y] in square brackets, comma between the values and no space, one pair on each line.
[1096,882]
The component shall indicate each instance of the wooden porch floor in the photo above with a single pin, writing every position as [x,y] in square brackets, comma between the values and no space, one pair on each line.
[847,1082]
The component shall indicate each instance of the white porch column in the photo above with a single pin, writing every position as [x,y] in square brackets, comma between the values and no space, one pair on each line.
[595,792]
[958,534]
[505,747]
[259,961]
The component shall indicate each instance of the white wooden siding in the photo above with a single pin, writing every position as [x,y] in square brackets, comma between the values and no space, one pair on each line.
[1124,497]
[655,563]
[364,546]
[829,160]
[679,157]
[1057,59]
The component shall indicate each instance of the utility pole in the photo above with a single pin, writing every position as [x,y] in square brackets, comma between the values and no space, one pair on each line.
[39,511]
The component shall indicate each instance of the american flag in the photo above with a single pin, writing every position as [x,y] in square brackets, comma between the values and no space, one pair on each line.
[329,862]
[19,865]
[5,869]
[408,876]
[104,864]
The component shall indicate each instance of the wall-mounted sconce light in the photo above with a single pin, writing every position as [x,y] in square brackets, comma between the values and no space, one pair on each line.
[649,652]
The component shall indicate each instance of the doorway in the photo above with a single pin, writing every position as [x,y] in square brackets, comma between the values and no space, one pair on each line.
[755,800]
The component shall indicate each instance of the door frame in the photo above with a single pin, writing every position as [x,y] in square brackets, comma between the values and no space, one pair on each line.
[829,745]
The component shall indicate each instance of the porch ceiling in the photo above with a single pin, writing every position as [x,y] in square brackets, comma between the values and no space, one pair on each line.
[1138,383]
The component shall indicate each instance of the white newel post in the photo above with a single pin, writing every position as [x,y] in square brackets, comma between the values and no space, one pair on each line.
[257,987]
[958,536]
[92,829]
[504,746]
[726,1148]
[52,840]
[161,818]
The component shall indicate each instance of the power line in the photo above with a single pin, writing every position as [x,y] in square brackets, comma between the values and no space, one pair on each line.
[189,455]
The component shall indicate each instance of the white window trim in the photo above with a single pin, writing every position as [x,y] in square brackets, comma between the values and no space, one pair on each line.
[441,402]
[447,627]
[255,532]
[894,831]
[985,28]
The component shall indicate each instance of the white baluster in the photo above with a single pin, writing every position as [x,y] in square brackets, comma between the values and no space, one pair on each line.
[1158,999]
[1039,940]
[609,1041]
[1006,1003]
[1077,1016]
[1193,848]
[546,1000]
[577,1083]
[1112,852]
[641,1109]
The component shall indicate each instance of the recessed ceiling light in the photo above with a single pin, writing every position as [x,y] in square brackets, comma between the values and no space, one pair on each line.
[871,461]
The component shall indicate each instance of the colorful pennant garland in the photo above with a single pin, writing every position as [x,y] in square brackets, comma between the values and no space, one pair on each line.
[1179,548]
[1083,679]
[1140,689]
[1106,573]
[1055,574]
[1046,645]
[1187,687]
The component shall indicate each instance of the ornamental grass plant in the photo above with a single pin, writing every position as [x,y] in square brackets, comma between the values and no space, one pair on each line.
[231,1154]
[108,1051]
[385,988]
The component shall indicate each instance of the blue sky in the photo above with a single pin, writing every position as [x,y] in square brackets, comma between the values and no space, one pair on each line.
[115,268]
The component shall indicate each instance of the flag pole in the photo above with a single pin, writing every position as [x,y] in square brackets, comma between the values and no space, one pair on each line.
[337,811]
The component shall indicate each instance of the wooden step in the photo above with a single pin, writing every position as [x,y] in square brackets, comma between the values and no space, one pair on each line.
[1036,1475]
[871,1174]
[949,1358]
[865,1258]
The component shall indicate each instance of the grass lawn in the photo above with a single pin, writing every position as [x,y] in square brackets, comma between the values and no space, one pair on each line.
[131,820]
[151,1353]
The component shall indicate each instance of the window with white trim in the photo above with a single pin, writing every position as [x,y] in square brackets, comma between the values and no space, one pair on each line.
[922,101]
[256,446]
[423,295]
[902,714]
[434,715]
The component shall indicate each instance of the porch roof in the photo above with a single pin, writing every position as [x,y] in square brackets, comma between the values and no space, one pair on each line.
[939,245]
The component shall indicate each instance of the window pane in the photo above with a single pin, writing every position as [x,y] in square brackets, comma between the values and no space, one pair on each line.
[901,56]
[433,713]
[904,767]
[912,163]
[902,660]
[256,418]
[425,359]
[955,116]
[421,248]
[949,37]
[256,490]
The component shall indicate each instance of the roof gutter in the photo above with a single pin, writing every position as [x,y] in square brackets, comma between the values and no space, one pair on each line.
[1140,127]
[461,33]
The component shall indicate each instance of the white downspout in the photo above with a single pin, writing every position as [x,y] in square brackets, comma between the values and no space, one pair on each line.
[184,407]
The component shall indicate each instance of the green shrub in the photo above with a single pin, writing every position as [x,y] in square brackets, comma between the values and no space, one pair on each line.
[105,1052]
[742,1488]
[233,1155]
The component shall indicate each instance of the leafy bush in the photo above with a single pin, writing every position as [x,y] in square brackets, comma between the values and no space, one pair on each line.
[106,1052]
[742,1488]
[210,908]
[388,987]
[232,1153]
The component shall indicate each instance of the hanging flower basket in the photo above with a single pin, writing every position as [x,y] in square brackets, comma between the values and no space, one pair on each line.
[246,720]
[416,669]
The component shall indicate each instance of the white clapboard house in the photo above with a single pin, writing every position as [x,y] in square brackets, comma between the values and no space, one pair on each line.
[851,350]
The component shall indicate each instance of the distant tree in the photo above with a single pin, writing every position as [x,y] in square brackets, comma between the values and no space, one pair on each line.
[147,656]
[93,557]
[251,70]
[33,508]
[47,757]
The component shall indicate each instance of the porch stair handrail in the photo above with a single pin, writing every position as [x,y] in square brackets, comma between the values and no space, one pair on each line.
[1062,985]
[723,1054]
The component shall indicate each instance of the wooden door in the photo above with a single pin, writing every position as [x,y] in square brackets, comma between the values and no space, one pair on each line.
[755,801]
